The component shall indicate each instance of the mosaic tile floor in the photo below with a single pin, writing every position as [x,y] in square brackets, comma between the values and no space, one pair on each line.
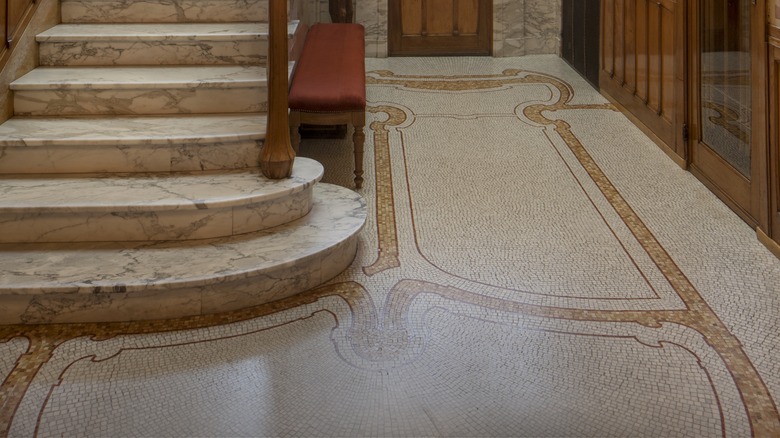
[532,266]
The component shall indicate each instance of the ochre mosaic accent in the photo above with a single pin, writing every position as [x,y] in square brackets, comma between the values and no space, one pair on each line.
[385,203]
[382,335]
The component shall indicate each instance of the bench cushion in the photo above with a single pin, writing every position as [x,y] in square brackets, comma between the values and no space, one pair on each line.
[330,74]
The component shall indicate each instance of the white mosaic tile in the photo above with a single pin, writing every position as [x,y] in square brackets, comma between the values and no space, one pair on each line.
[400,346]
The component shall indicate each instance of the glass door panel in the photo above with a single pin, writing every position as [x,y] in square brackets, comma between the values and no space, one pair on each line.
[728,102]
[726,107]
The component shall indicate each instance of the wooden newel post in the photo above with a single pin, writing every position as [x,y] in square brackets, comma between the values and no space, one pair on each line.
[277,156]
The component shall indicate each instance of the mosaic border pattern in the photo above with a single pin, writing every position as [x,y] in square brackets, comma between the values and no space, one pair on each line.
[391,322]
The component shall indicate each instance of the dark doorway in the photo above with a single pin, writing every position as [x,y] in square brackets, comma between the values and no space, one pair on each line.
[580,37]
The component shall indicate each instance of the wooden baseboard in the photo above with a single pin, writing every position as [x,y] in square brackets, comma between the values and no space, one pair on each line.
[680,161]
[770,244]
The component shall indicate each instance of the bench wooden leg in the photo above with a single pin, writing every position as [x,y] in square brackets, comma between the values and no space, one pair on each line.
[358,139]
[295,134]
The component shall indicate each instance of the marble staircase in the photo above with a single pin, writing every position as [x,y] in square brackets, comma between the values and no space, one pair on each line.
[129,186]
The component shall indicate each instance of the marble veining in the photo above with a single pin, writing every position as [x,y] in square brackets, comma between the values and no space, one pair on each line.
[140,101]
[131,144]
[90,158]
[115,131]
[152,207]
[164,52]
[150,192]
[164,11]
[151,44]
[155,32]
[167,78]
[141,90]
[71,280]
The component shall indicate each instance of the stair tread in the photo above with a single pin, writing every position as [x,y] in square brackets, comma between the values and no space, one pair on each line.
[150,192]
[81,268]
[130,130]
[114,77]
[155,32]
[169,11]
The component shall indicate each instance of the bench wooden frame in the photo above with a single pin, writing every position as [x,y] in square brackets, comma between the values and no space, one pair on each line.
[319,94]
[355,118]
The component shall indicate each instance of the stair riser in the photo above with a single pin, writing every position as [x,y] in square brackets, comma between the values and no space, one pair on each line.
[209,277]
[172,11]
[70,102]
[165,225]
[129,159]
[104,53]
[119,306]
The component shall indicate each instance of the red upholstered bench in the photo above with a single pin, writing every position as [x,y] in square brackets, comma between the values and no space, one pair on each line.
[329,85]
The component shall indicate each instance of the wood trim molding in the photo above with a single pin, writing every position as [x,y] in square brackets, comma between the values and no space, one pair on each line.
[680,161]
[18,29]
[770,244]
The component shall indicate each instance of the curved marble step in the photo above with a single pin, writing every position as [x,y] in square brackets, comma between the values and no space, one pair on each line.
[165,11]
[35,145]
[111,282]
[141,90]
[153,44]
[151,207]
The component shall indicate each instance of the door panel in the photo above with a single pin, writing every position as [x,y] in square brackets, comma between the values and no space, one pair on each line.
[642,66]
[411,18]
[774,125]
[440,27]
[728,105]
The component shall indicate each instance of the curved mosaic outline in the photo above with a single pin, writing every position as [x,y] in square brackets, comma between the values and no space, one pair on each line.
[698,316]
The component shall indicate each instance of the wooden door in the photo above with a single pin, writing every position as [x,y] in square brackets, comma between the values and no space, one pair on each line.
[439,27]
[643,66]
[728,103]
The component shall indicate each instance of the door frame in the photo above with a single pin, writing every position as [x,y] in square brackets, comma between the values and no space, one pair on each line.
[748,198]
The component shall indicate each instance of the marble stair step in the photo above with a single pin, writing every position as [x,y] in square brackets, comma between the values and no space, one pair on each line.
[44,145]
[152,44]
[46,283]
[141,90]
[151,207]
[165,11]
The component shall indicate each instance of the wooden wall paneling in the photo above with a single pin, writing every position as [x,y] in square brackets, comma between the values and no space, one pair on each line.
[774,136]
[680,146]
[16,15]
[642,49]
[642,70]
[667,64]
[16,11]
[3,23]
[620,41]
[760,98]
[608,38]
[654,58]
[629,16]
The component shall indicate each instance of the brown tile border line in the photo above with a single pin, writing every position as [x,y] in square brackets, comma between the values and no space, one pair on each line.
[388,257]
[699,316]
[759,405]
